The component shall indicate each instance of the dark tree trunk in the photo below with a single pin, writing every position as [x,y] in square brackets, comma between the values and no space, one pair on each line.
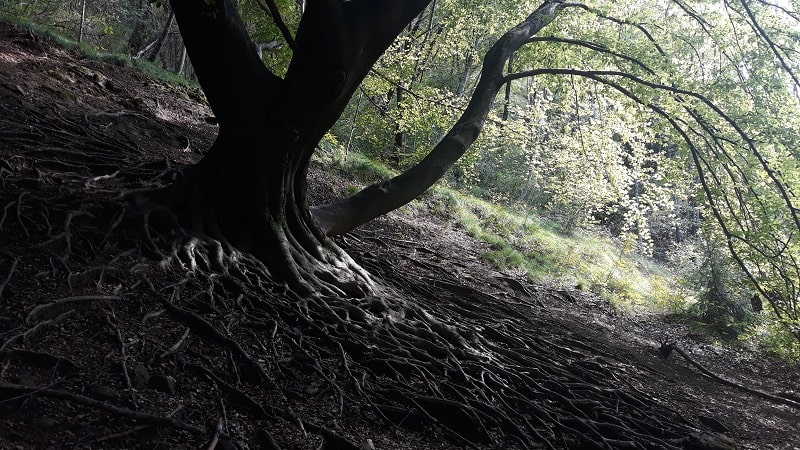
[507,102]
[399,135]
[250,188]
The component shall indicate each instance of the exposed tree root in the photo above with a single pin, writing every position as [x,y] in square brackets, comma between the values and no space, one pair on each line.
[667,348]
[13,391]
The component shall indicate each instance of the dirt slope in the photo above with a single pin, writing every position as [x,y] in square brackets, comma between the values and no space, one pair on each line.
[104,345]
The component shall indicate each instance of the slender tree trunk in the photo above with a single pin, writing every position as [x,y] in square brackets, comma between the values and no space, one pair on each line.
[162,38]
[353,124]
[399,135]
[83,21]
[182,62]
[462,84]
[507,102]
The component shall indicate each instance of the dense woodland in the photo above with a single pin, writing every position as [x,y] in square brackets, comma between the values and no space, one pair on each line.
[669,126]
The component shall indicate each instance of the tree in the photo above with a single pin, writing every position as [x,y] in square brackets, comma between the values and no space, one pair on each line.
[250,189]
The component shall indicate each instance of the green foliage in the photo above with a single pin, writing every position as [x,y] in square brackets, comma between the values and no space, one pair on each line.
[775,338]
[263,30]
[723,302]
[530,246]
[697,123]
[362,168]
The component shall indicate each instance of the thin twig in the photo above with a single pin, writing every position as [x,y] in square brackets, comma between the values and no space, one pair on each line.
[8,277]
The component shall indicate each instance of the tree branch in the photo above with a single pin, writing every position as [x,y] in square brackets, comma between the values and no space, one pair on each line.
[271,8]
[700,163]
[638,26]
[337,43]
[347,214]
[595,47]
[760,31]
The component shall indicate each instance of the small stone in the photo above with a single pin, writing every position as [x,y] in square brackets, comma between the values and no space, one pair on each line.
[44,422]
[139,375]
[102,393]
[163,383]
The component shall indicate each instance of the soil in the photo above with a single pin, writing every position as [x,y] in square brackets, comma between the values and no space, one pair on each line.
[94,352]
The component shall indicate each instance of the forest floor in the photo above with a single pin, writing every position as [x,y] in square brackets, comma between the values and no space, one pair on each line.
[81,369]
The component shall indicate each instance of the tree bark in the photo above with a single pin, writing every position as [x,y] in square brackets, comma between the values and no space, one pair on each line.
[344,215]
[507,102]
[181,62]
[138,36]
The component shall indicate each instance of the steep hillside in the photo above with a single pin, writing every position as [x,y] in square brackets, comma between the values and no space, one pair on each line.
[114,334]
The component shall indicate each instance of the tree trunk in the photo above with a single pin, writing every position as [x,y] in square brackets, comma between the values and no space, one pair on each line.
[162,38]
[399,134]
[507,102]
[83,21]
[138,36]
[462,83]
[250,188]
[181,62]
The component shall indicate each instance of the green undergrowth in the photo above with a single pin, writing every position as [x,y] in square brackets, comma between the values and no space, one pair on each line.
[774,338]
[528,245]
[89,51]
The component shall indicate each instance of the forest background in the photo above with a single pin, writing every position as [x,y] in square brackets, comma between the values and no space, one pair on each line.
[650,156]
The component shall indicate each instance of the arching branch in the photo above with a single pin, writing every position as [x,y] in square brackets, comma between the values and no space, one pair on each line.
[760,31]
[619,21]
[347,214]
[269,7]
[594,47]
[680,93]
